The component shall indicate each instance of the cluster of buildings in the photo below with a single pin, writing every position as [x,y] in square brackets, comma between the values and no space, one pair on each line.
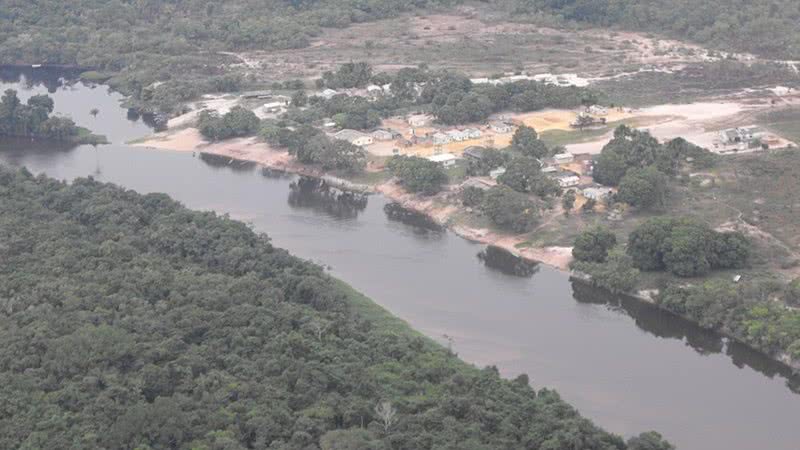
[742,135]
[441,138]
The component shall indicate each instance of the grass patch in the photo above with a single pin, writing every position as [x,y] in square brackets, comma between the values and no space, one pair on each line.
[785,123]
[368,177]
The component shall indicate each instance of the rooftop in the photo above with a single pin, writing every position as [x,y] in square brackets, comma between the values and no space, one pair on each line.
[349,135]
[443,157]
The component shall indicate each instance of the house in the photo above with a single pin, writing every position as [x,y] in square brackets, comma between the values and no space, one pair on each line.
[500,127]
[327,94]
[495,174]
[564,158]
[480,183]
[597,110]
[473,133]
[567,179]
[374,90]
[274,107]
[354,137]
[382,135]
[441,139]
[751,133]
[458,135]
[729,136]
[741,135]
[474,152]
[548,165]
[419,120]
[597,193]
[444,159]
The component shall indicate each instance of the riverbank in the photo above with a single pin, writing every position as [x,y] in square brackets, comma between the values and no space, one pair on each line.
[252,150]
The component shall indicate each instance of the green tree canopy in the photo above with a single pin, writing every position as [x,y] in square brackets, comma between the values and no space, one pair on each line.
[510,210]
[594,244]
[643,188]
[418,174]
[527,142]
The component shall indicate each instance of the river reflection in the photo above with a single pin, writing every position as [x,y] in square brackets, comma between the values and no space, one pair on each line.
[29,77]
[664,324]
[318,195]
[506,262]
[236,165]
[420,224]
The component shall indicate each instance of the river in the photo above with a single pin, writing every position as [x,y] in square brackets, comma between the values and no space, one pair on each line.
[624,364]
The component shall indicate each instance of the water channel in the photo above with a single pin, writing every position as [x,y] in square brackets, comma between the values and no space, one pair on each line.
[624,364]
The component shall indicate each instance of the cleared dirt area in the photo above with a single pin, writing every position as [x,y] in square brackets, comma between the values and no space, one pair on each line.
[475,40]
[698,123]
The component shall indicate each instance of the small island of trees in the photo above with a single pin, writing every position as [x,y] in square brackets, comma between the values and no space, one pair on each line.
[34,119]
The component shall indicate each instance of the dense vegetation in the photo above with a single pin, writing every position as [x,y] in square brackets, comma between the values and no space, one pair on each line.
[129,322]
[746,311]
[311,146]
[33,119]
[524,174]
[597,254]
[685,247]
[593,244]
[418,174]
[454,99]
[640,165]
[237,122]
[510,210]
[767,28]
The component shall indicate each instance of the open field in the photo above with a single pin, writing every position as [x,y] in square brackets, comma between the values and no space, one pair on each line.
[785,122]
[478,41]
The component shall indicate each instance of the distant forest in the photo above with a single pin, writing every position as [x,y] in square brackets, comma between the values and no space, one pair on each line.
[130,322]
[767,28]
[132,44]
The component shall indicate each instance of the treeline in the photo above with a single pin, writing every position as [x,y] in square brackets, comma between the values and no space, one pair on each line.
[129,321]
[747,311]
[237,122]
[311,146]
[685,247]
[766,28]
[33,119]
[450,96]
[455,99]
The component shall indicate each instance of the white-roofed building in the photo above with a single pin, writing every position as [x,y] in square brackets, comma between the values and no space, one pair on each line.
[444,159]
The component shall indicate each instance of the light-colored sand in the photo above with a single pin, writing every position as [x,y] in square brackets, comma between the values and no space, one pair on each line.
[558,257]
[249,149]
[220,104]
[186,140]
[695,122]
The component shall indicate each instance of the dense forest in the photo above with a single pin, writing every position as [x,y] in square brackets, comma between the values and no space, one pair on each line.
[765,28]
[129,321]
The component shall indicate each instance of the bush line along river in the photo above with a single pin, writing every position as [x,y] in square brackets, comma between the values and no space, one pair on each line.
[622,363]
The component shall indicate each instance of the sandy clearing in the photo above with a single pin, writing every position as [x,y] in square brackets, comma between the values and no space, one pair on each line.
[695,122]
[186,140]
[218,103]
